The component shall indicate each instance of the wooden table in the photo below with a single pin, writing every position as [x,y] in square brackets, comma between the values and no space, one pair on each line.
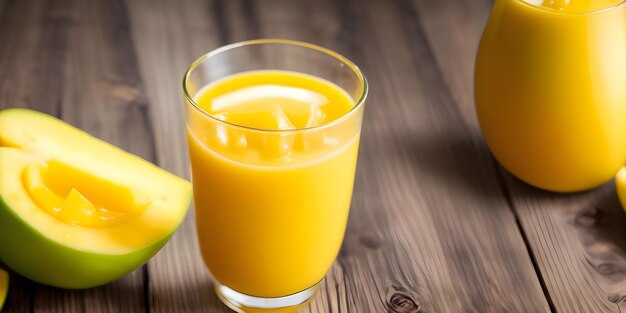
[436,225]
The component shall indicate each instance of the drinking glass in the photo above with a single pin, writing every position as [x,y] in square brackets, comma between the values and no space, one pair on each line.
[270,226]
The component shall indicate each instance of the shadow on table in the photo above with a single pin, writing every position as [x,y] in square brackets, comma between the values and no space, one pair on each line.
[124,295]
[198,297]
[462,163]
[459,162]
[20,293]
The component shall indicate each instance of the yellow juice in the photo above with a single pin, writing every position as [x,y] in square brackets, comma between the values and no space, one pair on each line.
[550,88]
[575,6]
[272,203]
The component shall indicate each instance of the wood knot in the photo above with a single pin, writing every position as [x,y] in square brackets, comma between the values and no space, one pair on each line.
[400,303]
[607,269]
[589,217]
[125,93]
[121,93]
[615,298]
[369,242]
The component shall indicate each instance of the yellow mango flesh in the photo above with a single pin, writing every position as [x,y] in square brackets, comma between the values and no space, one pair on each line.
[4,287]
[82,192]
[53,187]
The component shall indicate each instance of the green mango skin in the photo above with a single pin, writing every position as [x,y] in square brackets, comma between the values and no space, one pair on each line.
[4,291]
[31,254]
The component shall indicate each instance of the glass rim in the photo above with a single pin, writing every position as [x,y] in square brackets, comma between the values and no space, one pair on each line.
[558,12]
[357,71]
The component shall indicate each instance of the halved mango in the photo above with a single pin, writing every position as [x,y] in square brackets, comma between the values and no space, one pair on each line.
[75,211]
[4,287]
[620,183]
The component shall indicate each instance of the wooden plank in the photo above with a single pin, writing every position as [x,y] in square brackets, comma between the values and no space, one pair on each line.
[453,30]
[170,35]
[74,59]
[578,241]
[19,76]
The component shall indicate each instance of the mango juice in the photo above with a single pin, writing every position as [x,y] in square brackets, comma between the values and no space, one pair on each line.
[273,158]
[550,87]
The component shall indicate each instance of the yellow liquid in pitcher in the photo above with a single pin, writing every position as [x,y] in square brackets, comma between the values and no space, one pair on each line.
[551,90]
[576,6]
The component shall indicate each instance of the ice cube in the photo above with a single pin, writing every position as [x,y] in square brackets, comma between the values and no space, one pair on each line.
[271,117]
[252,94]
[331,141]
[278,144]
[222,134]
[316,116]
[241,142]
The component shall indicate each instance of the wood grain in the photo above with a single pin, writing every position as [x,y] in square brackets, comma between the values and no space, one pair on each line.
[435,225]
[71,59]
[579,242]
[169,36]
[14,92]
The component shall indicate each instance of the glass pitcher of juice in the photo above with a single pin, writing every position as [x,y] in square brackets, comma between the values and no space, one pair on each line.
[550,88]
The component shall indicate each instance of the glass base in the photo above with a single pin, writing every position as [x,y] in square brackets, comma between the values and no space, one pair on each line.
[243,303]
